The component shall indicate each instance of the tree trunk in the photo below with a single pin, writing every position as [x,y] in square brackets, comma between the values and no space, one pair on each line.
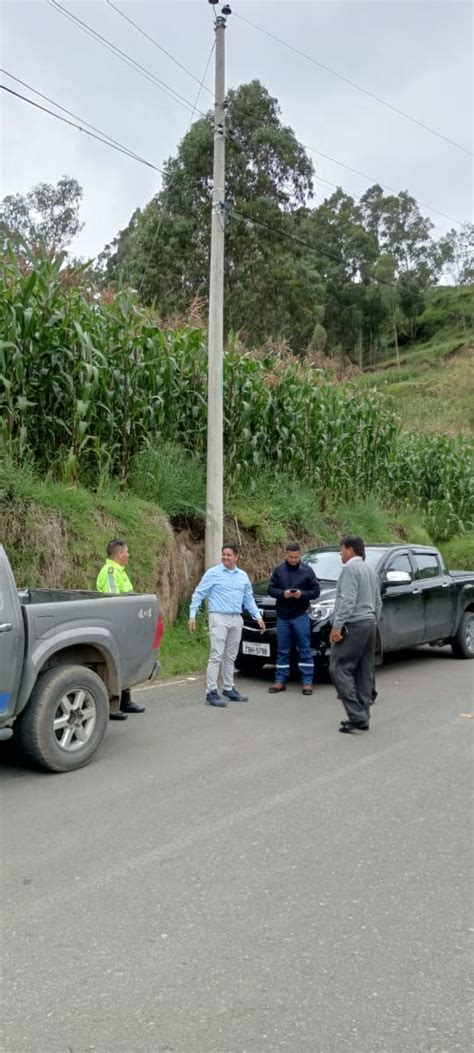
[397,349]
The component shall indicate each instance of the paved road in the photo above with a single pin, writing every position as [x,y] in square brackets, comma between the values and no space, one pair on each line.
[248,880]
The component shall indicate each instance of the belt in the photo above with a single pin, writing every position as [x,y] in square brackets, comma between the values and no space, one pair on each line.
[232,613]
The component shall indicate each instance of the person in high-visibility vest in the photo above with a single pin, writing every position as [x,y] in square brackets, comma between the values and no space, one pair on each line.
[113,578]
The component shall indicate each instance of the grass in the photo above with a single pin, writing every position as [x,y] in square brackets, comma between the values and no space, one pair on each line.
[182,652]
[459,552]
[434,389]
[171,478]
[56,535]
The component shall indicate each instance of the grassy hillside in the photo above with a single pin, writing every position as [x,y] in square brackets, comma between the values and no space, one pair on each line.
[55,535]
[434,389]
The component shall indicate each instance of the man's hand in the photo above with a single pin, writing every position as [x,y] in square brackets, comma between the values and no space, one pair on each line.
[192,625]
[335,636]
[292,594]
[261,625]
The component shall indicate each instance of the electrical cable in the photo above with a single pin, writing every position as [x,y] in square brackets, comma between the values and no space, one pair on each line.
[142,70]
[160,47]
[180,99]
[353,84]
[102,137]
[163,202]
[58,106]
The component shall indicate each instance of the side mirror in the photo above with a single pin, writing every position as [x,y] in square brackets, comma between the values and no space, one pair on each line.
[397,577]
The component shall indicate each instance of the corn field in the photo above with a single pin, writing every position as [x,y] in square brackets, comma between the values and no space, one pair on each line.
[85,385]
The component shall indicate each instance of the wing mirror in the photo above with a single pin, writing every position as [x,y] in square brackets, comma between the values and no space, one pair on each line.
[397,577]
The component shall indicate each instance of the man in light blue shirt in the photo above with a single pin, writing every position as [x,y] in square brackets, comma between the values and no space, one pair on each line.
[228,590]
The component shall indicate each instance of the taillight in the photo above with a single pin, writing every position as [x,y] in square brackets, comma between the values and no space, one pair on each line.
[160,628]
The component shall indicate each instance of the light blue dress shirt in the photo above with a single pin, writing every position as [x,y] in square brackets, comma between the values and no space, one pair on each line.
[227,591]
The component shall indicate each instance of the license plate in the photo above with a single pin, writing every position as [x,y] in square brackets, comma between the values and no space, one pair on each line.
[260,649]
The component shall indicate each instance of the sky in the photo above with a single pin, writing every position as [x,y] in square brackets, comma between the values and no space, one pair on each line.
[418,56]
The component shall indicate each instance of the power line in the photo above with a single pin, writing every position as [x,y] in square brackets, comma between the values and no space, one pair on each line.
[160,47]
[193,108]
[102,137]
[58,106]
[142,70]
[353,84]
[166,192]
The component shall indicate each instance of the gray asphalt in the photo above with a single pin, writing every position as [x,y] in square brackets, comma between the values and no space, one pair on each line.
[248,880]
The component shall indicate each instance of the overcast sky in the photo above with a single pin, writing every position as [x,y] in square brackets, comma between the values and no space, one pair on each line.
[416,55]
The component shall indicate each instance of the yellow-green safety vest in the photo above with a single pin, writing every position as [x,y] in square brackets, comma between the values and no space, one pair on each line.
[113,578]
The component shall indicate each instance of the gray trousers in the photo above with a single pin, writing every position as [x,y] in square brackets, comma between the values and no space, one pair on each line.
[352,669]
[225,631]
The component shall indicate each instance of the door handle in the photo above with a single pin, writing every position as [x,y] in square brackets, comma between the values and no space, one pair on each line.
[416,592]
[446,585]
[6,627]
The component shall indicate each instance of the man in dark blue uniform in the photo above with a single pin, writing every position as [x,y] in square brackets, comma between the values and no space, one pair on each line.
[293,584]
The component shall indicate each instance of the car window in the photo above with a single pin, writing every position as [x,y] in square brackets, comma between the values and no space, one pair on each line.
[400,562]
[327,564]
[427,565]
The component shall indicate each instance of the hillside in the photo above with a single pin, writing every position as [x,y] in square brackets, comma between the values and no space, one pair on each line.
[434,389]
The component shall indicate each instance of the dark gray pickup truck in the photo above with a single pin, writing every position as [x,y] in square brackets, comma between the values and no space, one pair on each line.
[65,657]
[422,603]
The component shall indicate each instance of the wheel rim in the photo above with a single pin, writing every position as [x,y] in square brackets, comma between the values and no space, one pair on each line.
[75,719]
[470,633]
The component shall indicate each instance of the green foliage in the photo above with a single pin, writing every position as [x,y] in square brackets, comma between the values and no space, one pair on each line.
[171,478]
[89,389]
[459,552]
[182,652]
[366,518]
[58,534]
[289,267]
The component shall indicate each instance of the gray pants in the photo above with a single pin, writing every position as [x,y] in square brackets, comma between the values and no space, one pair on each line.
[352,670]
[225,631]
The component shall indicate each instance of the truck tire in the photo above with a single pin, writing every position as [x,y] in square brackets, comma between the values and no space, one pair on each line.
[65,719]
[462,645]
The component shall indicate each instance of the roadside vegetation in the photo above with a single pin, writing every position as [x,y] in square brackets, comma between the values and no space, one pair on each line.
[348,373]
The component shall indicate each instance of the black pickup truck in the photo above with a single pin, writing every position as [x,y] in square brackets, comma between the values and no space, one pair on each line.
[422,604]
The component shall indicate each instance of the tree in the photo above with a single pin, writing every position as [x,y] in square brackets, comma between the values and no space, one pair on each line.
[456,250]
[164,252]
[47,217]
[385,272]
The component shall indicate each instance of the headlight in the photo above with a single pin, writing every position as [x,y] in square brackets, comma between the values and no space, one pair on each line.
[318,612]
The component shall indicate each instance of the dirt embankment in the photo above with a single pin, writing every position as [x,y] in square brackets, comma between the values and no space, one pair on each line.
[46,549]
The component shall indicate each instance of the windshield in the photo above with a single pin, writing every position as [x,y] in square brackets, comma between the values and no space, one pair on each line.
[327,565]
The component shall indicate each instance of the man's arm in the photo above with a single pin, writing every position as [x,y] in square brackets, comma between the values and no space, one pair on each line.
[347,597]
[274,588]
[312,587]
[249,603]
[201,591]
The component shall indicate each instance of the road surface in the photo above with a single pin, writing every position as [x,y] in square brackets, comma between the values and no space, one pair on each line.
[248,880]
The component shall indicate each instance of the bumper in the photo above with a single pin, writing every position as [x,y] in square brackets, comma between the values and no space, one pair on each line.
[263,646]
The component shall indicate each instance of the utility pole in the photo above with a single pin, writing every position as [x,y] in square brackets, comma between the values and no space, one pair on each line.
[215,407]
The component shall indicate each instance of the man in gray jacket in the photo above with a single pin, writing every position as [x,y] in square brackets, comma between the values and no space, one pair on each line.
[358,608]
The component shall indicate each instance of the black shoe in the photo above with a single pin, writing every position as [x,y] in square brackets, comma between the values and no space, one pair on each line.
[213,698]
[118,716]
[347,727]
[234,696]
[277,688]
[131,707]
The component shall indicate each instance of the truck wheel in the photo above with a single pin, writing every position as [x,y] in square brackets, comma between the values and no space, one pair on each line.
[65,719]
[462,645]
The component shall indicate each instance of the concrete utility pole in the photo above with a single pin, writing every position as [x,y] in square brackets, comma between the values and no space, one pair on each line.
[215,408]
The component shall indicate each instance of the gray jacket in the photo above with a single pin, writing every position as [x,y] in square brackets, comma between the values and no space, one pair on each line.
[357,594]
